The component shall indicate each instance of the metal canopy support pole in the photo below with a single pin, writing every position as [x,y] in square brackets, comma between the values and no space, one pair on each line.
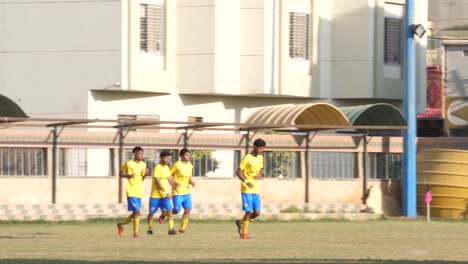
[364,168]
[409,102]
[186,140]
[247,142]
[121,159]
[307,168]
[54,164]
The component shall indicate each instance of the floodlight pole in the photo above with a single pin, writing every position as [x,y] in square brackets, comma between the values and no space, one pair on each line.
[409,102]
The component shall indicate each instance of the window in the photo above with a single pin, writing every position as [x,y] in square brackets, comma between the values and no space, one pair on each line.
[385,166]
[72,162]
[203,162]
[197,119]
[332,165]
[392,41]
[150,118]
[299,35]
[280,164]
[86,162]
[23,161]
[151,28]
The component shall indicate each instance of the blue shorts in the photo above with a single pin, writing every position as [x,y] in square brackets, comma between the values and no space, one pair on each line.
[182,201]
[159,203]
[251,201]
[134,203]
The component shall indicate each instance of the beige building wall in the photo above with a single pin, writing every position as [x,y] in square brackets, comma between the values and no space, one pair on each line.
[92,66]
[357,39]
[143,71]
[86,190]
[53,52]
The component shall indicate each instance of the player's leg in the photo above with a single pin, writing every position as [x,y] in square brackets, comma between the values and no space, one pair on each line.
[247,206]
[256,206]
[131,208]
[136,217]
[166,205]
[187,205]
[153,207]
[162,216]
[177,204]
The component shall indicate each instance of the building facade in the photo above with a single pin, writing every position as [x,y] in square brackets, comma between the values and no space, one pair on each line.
[205,59]
[202,60]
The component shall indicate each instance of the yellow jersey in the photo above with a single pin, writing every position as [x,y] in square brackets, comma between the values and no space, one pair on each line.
[162,172]
[182,173]
[135,185]
[251,166]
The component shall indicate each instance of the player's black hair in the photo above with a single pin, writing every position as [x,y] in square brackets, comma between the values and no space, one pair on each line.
[183,151]
[259,143]
[165,153]
[137,149]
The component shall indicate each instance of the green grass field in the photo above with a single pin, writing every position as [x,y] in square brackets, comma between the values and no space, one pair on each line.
[382,241]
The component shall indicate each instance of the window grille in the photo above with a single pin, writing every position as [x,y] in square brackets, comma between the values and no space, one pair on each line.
[299,35]
[385,166]
[392,41]
[280,164]
[332,165]
[23,161]
[151,28]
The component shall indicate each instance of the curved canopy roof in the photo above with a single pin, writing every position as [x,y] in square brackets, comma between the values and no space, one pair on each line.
[380,114]
[302,114]
[8,108]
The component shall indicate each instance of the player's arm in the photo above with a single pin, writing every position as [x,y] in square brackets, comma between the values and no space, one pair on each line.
[259,175]
[158,183]
[157,180]
[145,173]
[125,172]
[191,182]
[240,175]
[173,183]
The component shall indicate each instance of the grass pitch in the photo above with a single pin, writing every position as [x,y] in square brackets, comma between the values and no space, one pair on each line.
[383,241]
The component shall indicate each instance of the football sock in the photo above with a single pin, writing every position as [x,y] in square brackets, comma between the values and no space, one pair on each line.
[136,224]
[127,220]
[245,226]
[184,223]
[150,223]
[170,223]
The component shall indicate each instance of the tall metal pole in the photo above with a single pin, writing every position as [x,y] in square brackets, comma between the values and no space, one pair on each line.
[307,169]
[54,165]
[409,136]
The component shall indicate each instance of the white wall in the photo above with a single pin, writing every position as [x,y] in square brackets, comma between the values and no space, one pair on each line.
[150,72]
[295,74]
[352,49]
[53,52]
[195,46]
